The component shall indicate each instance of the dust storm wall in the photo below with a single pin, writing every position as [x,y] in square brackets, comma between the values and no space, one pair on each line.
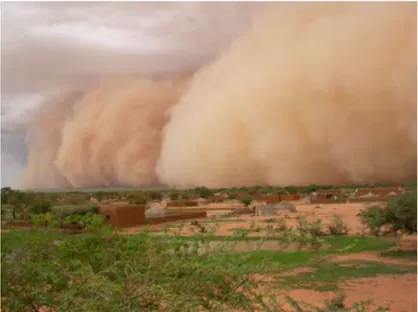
[311,93]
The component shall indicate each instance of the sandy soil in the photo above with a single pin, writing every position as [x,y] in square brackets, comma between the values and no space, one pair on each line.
[396,292]
[312,212]
[370,256]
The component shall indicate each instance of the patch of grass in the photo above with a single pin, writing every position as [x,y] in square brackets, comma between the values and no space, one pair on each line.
[327,276]
[353,244]
[401,254]
[288,260]
[341,244]
[273,259]
[171,265]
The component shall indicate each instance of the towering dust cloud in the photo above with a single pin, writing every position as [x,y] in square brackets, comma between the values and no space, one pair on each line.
[311,93]
[110,136]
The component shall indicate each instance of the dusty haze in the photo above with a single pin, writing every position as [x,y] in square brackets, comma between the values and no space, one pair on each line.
[311,93]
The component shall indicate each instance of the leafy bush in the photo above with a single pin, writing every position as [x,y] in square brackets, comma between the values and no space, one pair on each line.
[337,227]
[291,190]
[155,195]
[5,194]
[44,219]
[98,195]
[89,222]
[40,208]
[246,201]
[106,272]
[398,215]
[137,199]
[140,274]
[204,192]
[185,196]
[306,229]
[62,212]
[173,196]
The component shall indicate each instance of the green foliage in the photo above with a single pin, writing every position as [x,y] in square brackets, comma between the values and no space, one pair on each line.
[157,196]
[312,188]
[5,194]
[411,184]
[39,208]
[107,272]
[291,190]
[246,201]
[173,196]
[137,199]
[185,196]
[337,227]
[306,229]
[82,275]
[89,222]
[62,212]
[45,220]
[398,215]
[98,196]
[203,192]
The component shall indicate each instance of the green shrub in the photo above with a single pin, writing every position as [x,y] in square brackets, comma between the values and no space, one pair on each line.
[89,222]
[337,227]
[40,208]
[99,196]
[306,229]
[291,190]
[62,212]
[246,201]
[44,220]
[157,196]
[173,196]
[137,199]
[82,275]
[105,272]
[204,192]
[185,196]
[398,215]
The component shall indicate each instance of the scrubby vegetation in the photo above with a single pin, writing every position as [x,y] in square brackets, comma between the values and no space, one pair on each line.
[397,216]
[102,270]
[109,272]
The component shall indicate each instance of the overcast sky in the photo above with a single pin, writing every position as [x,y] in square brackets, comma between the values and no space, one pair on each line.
[51,48]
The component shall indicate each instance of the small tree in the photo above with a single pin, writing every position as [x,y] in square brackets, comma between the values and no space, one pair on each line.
[173,196]
[98,195]
[156,195]
[291,190]
[137,199]
[338,227]
[185,196]
[247,200]
[205,192]
[40,208]
[397,215]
